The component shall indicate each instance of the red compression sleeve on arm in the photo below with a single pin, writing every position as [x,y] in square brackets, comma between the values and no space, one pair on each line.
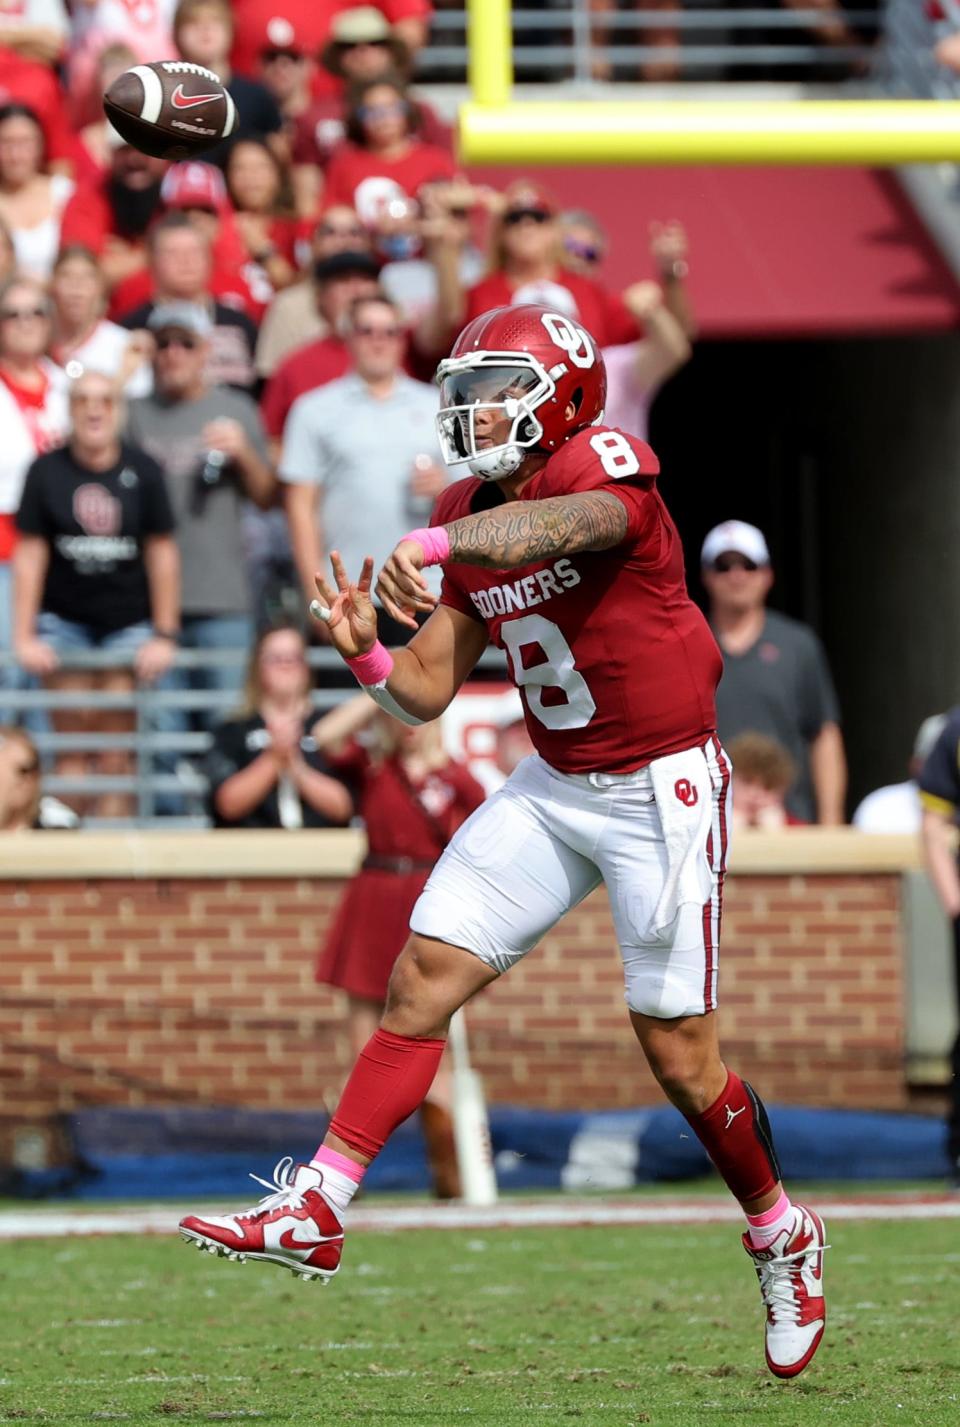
[735,1133]
[389,1081]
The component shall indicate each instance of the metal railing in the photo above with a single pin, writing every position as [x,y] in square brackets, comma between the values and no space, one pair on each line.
[166,784]
[571,41]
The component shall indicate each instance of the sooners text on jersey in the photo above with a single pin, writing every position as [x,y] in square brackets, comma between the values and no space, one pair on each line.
[615,663]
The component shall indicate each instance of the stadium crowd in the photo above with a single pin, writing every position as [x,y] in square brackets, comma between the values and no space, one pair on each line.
[212,373]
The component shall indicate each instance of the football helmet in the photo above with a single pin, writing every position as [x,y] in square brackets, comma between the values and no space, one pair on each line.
[527,364]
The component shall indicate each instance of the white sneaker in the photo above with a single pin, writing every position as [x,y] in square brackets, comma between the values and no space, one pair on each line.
[293,1226]
[790,1271]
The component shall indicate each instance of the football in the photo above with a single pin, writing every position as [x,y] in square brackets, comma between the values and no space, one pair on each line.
[171,109]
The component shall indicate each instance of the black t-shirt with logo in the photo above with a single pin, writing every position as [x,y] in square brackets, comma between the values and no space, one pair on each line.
[95,523]
[236,743]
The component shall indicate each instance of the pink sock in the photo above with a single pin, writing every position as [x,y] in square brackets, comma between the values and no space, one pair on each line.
[341,1177]
[765,1227]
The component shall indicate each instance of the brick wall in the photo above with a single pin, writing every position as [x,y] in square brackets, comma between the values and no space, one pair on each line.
[160,990]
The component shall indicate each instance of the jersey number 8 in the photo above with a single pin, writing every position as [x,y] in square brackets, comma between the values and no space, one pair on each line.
[617,456]
[558,671]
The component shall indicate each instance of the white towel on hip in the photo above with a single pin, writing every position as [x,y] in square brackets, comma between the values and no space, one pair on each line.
[684,798]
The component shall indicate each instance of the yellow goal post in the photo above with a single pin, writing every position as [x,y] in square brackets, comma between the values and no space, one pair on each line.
[494,129]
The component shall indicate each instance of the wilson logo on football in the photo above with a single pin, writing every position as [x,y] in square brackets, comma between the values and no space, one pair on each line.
[686,792]
[179,100]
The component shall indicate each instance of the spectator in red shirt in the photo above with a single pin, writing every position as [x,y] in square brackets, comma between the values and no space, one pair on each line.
[383,156]
[527,267]
[362,47]
[32,39]
[259,189]
[339,280]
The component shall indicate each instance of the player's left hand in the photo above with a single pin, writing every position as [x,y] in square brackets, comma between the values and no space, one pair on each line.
[401,588]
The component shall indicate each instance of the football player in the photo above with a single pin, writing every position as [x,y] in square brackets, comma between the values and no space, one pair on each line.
[560,550]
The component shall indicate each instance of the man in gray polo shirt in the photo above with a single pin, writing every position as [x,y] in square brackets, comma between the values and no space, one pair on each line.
[360,456]
[775,674]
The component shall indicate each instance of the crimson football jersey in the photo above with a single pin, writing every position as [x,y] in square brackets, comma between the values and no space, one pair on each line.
[615,663]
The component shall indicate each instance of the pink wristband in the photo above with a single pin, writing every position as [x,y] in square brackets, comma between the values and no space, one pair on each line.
[372,667]
[435,543]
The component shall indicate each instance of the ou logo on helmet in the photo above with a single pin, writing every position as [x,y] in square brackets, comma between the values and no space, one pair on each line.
[570,338]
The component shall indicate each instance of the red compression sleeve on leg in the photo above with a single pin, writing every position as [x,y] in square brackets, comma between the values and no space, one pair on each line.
[390,1079]
[735,1133]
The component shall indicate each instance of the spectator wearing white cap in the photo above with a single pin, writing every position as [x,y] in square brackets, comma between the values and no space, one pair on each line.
[897,807]
[776,680]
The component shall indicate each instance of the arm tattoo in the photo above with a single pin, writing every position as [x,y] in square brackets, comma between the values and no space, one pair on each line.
[524,531]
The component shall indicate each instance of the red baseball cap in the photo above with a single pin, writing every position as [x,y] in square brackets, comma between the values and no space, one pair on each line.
[195,185]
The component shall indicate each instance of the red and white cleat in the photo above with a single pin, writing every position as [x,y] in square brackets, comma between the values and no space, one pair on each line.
[293,1226]
[790,1271]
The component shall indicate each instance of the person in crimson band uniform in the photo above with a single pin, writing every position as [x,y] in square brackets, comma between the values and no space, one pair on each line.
[940,798]
[265,768]
[581,581]
[96,568]
[413,797]
[383,156]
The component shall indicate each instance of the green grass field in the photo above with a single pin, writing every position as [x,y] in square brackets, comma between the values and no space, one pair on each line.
[612,1327]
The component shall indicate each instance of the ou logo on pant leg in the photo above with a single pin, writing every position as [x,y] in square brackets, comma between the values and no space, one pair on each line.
[686,792]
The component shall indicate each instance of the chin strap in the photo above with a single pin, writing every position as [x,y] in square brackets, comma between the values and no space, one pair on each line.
[494,468]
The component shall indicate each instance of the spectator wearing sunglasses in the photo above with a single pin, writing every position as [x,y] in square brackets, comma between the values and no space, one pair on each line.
[383,155]
[776,680]
[366,444]
[526,265]
[23,805]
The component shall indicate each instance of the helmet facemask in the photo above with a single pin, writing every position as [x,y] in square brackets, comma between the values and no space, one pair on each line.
[510,386]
